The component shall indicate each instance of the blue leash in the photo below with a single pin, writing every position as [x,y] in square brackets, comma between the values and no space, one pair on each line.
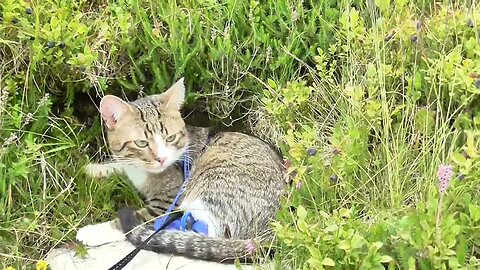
[187,218]
[160,223]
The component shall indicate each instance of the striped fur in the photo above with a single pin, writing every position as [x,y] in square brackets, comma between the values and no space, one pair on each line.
[235,186]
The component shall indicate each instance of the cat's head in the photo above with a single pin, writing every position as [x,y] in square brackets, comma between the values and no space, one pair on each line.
[148,132]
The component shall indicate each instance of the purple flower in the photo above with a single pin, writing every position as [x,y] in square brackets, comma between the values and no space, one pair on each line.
[414,39]
[445,173]
[250,247]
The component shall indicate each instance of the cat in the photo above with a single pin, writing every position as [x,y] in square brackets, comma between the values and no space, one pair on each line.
[235,185]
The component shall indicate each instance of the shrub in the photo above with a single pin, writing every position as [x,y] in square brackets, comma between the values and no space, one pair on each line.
[400,94]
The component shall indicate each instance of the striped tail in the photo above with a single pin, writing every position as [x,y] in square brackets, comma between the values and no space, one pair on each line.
[188,244]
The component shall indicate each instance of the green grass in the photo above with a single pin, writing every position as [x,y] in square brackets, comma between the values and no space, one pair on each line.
[384,93]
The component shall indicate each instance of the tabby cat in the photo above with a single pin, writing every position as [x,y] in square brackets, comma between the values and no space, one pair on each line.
[235,183]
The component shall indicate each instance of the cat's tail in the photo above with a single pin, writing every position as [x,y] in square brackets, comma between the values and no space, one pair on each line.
[188,244]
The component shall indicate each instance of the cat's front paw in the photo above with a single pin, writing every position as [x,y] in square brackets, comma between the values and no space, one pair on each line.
[98,170]
[99,234]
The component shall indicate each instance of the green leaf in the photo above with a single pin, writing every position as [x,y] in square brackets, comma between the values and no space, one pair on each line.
[345,213]
[344,244]
[461,249]
[458,158]
[376,246]
[385,259]
[371,70]
[302,226]
[331,228]
[474,212]
[401,3]
[272,84]
[383,5]
[301,212]
[328,262]
[314,263]
[453,263]
[411,263]
[314,252]
[357,241]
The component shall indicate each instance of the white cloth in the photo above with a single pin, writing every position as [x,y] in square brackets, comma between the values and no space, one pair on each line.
[103,257]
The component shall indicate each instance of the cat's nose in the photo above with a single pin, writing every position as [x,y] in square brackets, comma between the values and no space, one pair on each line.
[161,159]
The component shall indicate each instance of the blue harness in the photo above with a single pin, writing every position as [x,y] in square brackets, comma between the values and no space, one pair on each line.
[187,221]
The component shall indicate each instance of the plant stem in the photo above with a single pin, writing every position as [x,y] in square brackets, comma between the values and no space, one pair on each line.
[437,222]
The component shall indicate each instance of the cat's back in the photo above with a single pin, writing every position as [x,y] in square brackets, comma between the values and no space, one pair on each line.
[239,157]
[240,147]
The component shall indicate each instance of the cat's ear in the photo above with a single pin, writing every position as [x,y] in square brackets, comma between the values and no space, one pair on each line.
[113,108]
[173,98]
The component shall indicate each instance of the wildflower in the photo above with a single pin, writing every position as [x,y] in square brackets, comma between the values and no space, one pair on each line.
[29,10]
[28,118]
[299,185]
[226,31]
[477,84]
[269,54]
[333,179]
[50,44]
[41,265]
[414,39]
[44,100]
[294,15]
[213,36]
[9,268]
[12,138]
[445,173]
[460,176]
[311,151]
[250,247]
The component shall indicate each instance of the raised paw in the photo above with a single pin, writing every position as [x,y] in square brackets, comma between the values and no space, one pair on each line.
[97,170]
[99,234]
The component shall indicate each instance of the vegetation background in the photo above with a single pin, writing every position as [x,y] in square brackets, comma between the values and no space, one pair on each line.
[374,103]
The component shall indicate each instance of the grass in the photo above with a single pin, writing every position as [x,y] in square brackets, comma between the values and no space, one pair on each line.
[384,93]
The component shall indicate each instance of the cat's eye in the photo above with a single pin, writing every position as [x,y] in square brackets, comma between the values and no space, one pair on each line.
[141,143]
[171,138]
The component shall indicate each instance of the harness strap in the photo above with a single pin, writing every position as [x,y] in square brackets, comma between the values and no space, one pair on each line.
[162,220]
